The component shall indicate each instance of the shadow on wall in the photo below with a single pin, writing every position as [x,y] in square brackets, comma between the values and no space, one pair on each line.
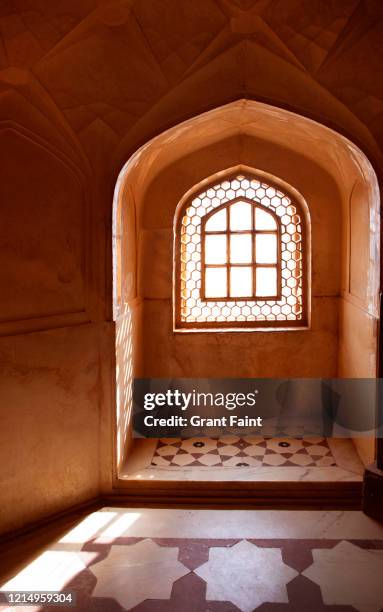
[124,381]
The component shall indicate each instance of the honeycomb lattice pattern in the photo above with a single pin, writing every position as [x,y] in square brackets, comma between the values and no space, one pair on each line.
[194,311]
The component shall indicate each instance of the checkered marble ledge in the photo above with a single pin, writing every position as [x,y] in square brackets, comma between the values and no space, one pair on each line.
[248,451]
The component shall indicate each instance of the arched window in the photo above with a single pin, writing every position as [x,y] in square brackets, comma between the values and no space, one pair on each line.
[240,252]
[240,259]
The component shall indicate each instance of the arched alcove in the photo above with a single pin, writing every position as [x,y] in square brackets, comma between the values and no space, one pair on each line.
[339,185]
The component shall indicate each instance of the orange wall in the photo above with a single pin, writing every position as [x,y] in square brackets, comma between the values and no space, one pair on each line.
[81,88]
[359,301]
[304,353]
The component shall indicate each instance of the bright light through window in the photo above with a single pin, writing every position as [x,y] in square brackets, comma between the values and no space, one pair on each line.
[240,257]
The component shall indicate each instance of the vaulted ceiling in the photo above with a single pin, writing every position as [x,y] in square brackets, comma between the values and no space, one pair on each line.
[106,71]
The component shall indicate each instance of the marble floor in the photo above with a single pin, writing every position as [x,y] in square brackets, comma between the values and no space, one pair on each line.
[250,458]
[175,560]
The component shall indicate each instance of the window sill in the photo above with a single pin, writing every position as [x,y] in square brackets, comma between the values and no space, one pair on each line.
[220,330]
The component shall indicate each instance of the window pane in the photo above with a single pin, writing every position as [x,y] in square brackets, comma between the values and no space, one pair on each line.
[215,282]
[263,220]
[266,281]
[240,248]
[266,248]
[217,222]
[215,249]
[240,216]
[241,282]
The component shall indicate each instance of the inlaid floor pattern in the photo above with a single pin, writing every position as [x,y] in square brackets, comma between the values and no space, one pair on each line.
[249,451]
[163,560]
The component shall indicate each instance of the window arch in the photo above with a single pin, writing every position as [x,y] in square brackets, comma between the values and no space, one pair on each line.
[240,257]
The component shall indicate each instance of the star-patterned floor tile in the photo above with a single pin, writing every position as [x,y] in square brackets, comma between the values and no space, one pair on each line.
[246,575]
[347,574]
[131,574]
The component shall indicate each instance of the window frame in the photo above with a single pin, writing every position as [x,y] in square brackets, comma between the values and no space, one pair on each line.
[180,326]
[228,265]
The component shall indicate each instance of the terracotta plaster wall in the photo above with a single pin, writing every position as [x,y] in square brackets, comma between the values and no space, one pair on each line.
[359,308]
[311,353]
[82,86]
[49,451]
[49,349]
